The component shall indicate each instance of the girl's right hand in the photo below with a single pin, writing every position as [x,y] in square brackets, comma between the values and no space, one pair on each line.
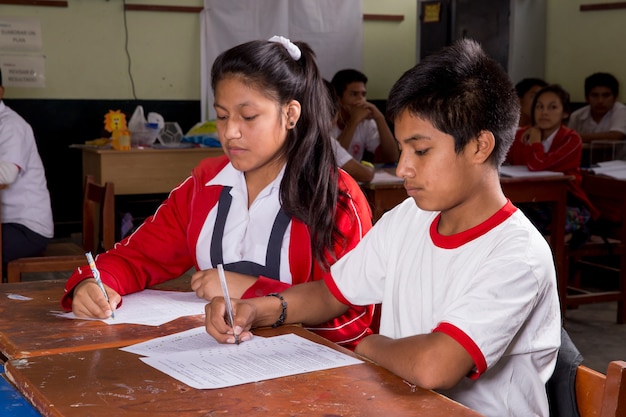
[89,301]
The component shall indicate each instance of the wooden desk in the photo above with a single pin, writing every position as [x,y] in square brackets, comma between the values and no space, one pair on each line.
[383,196]
[28,328]
[110,382]
[143,171]
[609,196]
[549,189]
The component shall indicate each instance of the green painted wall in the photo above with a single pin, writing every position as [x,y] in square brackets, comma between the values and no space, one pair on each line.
[86,58]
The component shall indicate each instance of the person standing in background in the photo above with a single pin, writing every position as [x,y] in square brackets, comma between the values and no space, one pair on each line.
[603,118]
[27,224]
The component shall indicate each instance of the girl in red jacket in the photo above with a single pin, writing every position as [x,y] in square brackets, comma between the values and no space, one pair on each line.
[548,145]
[274,211]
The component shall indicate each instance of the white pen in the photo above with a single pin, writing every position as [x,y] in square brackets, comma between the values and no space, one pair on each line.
[96,276]
[229,305]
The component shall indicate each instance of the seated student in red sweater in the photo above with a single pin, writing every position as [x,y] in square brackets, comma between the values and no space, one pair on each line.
[275,211]
[548,145]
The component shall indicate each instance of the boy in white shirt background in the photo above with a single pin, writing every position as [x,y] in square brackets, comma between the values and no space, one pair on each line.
[603,118]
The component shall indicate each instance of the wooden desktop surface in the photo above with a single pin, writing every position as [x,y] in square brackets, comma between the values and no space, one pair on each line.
[144,171]
[110,382]
[29,328]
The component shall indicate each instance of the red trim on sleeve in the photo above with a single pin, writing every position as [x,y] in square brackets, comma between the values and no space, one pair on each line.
[459,239]
[330,283]
[468,344]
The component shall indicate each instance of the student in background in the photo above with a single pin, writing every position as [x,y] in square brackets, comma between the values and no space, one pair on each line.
[548,145]
[27,224]
[467,283]
[603,118]
[526,90]
[361,171]
[360,125]
[275,210]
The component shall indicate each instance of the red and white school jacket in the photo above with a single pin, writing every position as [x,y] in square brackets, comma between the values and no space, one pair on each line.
[171,241]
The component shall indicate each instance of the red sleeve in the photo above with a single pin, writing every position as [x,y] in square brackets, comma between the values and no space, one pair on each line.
[564,154]
[163,247]
[354,221]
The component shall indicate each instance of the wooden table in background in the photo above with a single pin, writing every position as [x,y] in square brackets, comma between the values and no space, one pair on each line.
[29,328]
[550,189]
[110,382]
[144,171]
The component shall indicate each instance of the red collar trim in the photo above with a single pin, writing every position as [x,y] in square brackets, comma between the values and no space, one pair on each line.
[459,239]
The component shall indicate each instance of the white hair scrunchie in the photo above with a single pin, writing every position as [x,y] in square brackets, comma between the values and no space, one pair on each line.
[293,50]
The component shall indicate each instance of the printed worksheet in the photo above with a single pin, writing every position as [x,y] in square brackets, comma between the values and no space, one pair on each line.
[196,359]
[153,307]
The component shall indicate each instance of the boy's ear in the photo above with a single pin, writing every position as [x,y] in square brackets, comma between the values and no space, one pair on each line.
[485,142]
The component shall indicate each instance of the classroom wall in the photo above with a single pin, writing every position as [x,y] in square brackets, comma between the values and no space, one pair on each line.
[87,68]
[581,43]
[86,58]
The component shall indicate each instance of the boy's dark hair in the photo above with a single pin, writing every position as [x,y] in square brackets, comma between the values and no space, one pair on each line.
[0,78]
[526,84]
[309,190]
[342,78]
[462,92]
[560,93]
[601,79]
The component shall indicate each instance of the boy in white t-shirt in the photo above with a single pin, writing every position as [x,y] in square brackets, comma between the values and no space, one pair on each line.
[467,283]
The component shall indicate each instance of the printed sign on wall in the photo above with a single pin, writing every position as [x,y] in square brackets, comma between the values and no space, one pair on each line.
[20,33]
[23,71]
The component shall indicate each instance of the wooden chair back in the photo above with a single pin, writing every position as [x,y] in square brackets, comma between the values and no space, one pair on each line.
[98,236]
[599,395]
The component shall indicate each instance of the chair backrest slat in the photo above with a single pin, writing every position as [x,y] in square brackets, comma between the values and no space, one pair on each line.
[599,395]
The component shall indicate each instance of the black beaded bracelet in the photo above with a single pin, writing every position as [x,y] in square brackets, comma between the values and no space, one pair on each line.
[283,314]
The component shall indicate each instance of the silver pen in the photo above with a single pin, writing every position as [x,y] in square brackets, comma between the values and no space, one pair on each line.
[96,276]
[229,305]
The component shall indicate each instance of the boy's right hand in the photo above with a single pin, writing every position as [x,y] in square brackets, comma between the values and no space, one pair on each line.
[88,300]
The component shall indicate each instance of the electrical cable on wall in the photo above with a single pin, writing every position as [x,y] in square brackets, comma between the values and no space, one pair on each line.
[130,73]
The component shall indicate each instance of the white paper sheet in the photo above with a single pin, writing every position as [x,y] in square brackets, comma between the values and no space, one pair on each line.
[521,171]
[615,169]
[383,177]
[216,365]
[153,307]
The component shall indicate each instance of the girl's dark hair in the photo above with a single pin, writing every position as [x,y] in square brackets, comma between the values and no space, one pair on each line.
[560,93]
[309,190]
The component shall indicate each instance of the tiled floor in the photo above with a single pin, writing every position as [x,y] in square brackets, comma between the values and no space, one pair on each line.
[594,330]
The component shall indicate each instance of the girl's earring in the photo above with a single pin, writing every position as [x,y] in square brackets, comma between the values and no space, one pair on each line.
[292,123]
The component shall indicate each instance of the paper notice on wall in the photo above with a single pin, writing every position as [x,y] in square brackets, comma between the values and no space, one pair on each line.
[23,71]
[20,33]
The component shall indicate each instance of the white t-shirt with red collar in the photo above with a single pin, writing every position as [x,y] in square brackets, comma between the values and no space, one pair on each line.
[492,288]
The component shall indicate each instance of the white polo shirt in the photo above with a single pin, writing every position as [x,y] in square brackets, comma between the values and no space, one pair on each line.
[613,121]
[27,200]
